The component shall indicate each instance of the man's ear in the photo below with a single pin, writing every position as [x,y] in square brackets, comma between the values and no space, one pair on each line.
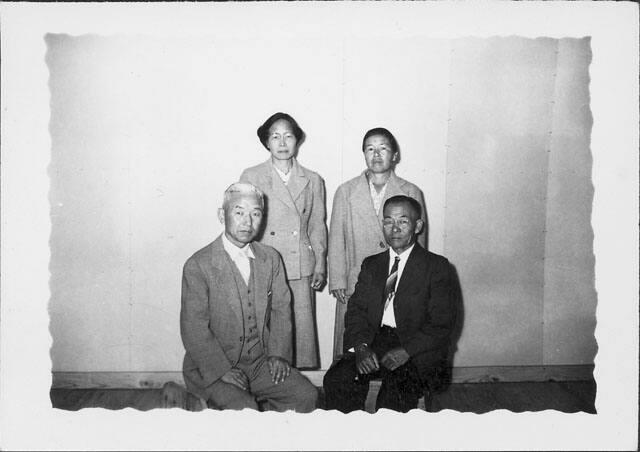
[419,226]
[221,215]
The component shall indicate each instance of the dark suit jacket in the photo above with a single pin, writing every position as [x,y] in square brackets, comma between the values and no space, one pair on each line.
[211,316]
[423,305]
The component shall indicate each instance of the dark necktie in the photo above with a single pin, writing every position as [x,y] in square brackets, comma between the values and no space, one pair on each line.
[390,286]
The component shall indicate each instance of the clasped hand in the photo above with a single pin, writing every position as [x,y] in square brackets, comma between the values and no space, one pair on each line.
[278,368]
[367,360]
[395,358]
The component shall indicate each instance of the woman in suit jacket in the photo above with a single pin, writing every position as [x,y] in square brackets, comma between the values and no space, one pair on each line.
[295,225]
[356,219]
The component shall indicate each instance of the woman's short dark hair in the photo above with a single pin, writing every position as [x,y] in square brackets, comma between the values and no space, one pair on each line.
[263,130]
[385,133]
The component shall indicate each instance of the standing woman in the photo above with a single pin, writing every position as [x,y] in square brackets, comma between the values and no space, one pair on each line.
[356,219]
[295,225]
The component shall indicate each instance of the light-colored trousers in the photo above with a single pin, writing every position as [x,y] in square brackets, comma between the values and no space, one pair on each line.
[294,393]
[305,354]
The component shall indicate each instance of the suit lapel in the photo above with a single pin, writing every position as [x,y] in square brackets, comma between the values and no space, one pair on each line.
[278,188]
[364,204]
[297,182]
[380,278]
[260,285]
[393,188]
[413,272]
[224,281]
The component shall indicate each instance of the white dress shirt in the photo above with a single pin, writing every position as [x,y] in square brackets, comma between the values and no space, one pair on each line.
[389,317]
[283,176]
[240,257]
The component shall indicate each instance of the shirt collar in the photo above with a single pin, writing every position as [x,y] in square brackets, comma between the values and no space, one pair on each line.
[282,174]
[404,255]
[235,251]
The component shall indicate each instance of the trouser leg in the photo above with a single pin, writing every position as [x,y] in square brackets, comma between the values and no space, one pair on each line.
[342,391]
[294,393]
[304,328]
[227,396]
[338,332]
[401,388]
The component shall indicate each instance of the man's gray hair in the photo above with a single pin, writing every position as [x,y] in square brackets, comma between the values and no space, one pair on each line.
[242,188]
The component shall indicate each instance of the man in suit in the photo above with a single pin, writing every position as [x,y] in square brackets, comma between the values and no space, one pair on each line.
[235,319]
[398,321]
[356,219]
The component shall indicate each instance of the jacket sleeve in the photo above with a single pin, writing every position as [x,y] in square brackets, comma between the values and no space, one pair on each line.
[422,237]
[198,339]
[318,226]
[338,242]
[435,331]
[357,327]
[280,327]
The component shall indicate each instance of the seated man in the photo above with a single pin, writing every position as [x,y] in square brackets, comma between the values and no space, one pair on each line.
[398,320]
[235,319]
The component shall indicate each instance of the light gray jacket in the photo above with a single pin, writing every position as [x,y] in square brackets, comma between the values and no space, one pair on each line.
[295,217]
[211,323]
[356,231]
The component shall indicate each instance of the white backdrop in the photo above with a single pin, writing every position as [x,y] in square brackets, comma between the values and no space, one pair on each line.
[148,132]
[27,420]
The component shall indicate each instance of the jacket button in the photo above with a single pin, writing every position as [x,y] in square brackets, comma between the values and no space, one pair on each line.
[295,233]
[273,233]
[240,338]
[381,244]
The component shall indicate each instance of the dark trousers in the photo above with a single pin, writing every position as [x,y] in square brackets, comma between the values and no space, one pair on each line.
[346,390]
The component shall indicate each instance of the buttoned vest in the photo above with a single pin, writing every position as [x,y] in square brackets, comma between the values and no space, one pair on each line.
[251,346]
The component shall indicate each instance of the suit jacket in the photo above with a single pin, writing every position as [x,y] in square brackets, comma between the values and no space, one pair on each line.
[295,217]
[356,231]
[211,323]
[423,306]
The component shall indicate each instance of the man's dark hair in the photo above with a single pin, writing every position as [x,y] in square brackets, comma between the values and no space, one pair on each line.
[385,133]
[263,130]
[400,199]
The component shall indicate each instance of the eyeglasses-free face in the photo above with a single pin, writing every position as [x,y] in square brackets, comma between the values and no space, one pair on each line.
[378,154]
[282,142]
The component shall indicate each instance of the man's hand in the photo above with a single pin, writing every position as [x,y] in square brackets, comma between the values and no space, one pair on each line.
[278,368]
[395,358]
[237,378]
[317,282]
[340,295]
[366,359]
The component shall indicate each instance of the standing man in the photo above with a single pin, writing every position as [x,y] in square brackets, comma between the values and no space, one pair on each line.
[235,319]
[398,321]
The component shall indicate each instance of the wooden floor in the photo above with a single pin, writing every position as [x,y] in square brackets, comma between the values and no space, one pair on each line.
[568,397]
